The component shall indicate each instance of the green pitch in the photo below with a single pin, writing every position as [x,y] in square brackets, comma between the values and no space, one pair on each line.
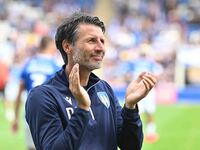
[8,140]
[178,126]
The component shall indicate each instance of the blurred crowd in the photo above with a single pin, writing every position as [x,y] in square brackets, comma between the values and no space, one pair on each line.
[23,22]
[157,27]
[161,28]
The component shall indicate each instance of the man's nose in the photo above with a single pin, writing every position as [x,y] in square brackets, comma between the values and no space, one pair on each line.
[100,46]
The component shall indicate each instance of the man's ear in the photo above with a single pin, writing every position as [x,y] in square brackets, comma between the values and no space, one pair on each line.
[66,46]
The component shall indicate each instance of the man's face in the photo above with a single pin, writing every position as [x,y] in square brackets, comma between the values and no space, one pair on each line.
[89,48]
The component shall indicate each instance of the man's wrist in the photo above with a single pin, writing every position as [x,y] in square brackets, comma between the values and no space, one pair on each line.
[130,114]
[84,107]
[130,106]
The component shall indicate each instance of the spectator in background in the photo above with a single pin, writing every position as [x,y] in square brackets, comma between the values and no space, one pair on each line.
[13,83]
[4,76]
[36,71]
[145,62]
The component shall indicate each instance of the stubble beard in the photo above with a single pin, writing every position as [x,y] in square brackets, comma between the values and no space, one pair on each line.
[80,57]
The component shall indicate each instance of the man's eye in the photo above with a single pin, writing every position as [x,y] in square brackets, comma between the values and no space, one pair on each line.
[102,41]
[92,40]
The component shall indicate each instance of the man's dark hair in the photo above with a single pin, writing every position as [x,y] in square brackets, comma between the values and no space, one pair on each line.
[68,30]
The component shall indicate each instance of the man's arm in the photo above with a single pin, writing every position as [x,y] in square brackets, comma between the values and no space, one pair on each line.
[128,124]
[46,124]
[15,124]
[130,133]
[129,128]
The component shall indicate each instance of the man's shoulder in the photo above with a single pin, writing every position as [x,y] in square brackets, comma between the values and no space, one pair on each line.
[104,83]
[42,88]
[41,94]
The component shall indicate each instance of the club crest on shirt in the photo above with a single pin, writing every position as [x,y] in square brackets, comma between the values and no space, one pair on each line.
[104,98]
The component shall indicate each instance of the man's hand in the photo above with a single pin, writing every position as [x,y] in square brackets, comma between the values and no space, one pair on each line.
[77,90]
[139,88]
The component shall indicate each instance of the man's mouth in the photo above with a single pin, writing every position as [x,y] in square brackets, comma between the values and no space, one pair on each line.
[97,57]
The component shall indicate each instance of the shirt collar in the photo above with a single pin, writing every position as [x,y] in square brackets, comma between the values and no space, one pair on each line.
[93,79]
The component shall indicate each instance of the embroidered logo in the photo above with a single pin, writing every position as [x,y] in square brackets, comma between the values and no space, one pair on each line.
[104,98]
[68,99]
